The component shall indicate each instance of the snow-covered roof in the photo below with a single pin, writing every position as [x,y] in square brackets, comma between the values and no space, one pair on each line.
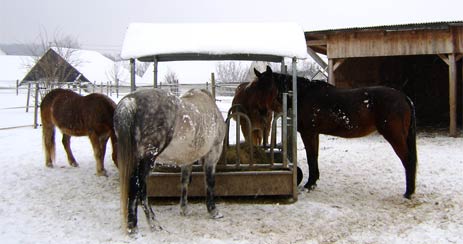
[13,68]
[98,68]
[214,41]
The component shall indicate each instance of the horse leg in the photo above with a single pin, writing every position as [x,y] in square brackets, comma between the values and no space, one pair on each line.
[210,161]
[186,180]
[143,172]
[398,142]
[48,137]
[67,147]
[99,150]
[311,149]
[133,199]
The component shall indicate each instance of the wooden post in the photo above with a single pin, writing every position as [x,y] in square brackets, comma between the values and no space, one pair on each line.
[28,96]
[331,79]
[36,105]
[155,72]
[453,95]
[17,87]
[213,84]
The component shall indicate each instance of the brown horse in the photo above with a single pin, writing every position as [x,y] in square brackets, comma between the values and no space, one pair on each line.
[257,101]
[77,115]
[325,109]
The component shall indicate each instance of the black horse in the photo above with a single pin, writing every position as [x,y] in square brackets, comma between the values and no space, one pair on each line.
[325,109]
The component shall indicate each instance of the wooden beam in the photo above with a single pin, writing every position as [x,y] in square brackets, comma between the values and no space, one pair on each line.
[331,78]
[316,43]
[444,58]
[317,58]
[338,63]
[452,95]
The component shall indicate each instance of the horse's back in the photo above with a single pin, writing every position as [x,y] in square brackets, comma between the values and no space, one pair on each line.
[199,127]
[354,112]
[77,115]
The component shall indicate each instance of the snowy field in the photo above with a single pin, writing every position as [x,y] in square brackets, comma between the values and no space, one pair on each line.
[358,198]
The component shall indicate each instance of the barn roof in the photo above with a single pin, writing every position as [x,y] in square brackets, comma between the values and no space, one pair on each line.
[214,41]
[38,71]
[84,65]
[401,27]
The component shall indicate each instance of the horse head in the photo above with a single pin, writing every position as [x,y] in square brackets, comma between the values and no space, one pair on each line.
[272,86]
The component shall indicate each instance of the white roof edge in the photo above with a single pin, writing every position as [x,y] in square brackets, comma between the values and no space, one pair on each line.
[223,40]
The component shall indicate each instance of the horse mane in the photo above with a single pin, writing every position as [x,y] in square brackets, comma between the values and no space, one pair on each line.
[302,82]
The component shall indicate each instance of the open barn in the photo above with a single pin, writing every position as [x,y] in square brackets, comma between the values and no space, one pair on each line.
[423,60]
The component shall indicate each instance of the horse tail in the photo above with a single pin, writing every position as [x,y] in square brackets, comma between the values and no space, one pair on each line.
[124,126]
[412,152]
[48,128]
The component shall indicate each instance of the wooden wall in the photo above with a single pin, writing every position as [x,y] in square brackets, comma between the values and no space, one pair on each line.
[394,43]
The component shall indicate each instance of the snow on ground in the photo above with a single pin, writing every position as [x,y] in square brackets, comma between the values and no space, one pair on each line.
[358,198]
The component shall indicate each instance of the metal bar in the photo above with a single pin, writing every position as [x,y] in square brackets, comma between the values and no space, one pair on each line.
[237,142]
[132,75]
[294,129]
[284,130]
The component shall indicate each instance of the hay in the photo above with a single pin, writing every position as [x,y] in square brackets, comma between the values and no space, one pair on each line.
[259,155]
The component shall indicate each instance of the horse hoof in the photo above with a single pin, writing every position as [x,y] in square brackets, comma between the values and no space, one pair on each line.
[185,211]
[215,214]
[102,173]
[132,231]
[408,196]
[310,187]
[49,165]
[156,227]
[74,164]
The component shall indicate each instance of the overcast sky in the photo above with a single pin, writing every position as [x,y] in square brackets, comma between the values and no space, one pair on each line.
[101,24]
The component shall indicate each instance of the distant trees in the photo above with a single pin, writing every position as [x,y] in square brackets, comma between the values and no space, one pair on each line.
[231,72]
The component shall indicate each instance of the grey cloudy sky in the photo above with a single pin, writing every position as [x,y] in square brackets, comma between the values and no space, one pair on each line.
[101,24]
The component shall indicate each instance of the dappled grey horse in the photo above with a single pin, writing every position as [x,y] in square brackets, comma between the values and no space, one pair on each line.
[155,125]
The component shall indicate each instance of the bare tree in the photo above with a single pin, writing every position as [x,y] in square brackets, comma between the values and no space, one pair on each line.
[171,79]
[53,69]
[231,72]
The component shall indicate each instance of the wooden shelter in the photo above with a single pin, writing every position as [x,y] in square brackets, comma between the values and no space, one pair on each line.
[149,42]
[423,60]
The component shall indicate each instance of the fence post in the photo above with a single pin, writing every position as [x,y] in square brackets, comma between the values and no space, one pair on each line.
[28,96]
[213,84]
[17,87]
[36,105]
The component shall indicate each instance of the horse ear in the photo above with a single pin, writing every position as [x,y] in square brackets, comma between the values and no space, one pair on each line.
[269,70]
[258,74]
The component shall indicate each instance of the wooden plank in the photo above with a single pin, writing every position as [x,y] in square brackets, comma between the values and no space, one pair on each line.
[249,183]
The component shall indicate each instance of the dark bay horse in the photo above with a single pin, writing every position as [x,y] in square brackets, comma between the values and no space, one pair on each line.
[325,109]
[257,102]
[154,125]
[77,115]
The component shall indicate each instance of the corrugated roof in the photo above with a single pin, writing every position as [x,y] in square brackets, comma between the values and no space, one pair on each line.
[401,27]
